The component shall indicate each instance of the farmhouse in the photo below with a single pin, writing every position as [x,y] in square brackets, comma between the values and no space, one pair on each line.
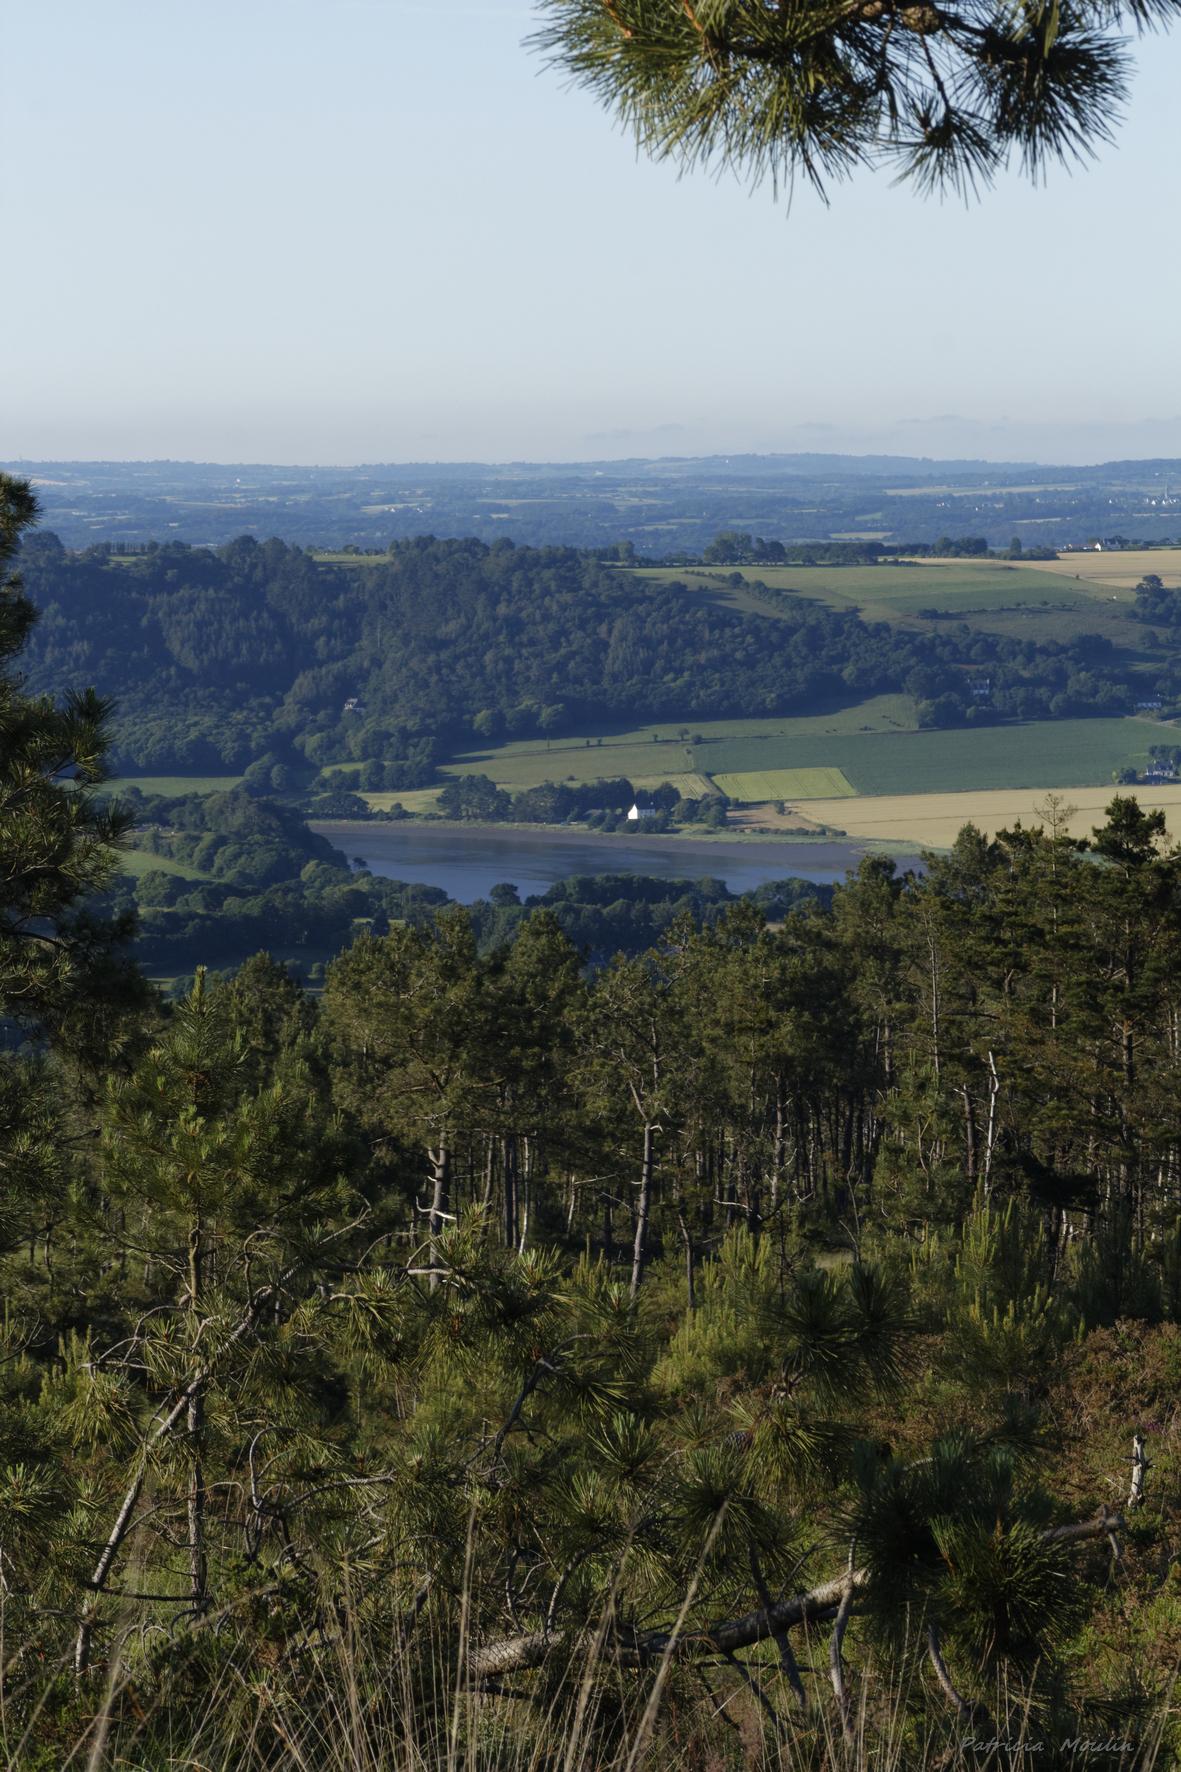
[641,810]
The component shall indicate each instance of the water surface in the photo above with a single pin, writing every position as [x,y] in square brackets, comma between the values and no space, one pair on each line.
[468,860]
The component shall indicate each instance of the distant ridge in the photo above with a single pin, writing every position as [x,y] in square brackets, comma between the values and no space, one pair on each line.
[662,507]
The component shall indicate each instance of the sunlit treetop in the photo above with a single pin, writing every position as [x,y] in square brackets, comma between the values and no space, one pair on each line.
[947,95]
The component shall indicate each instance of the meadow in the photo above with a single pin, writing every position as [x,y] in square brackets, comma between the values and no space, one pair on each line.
[1045,754]
[786,784]
[1041,600]
[415,800]
[175,785]
[898,592]
[871,749]
[864,768]
[689,783]
[651,754]
[138,862]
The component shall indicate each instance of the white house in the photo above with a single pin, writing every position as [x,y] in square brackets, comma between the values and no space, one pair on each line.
[639,812]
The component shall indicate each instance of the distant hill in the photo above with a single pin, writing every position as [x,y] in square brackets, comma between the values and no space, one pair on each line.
[672,505]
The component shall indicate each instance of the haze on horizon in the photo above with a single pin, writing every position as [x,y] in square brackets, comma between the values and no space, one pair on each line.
[346,232]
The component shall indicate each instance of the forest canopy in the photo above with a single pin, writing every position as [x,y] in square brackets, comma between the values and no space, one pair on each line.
[220,658]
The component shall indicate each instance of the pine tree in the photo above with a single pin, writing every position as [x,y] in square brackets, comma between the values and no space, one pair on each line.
[226,1210]
[417,1024]
[947,94]
[66,987]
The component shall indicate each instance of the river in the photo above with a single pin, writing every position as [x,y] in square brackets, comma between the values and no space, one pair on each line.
[468,860]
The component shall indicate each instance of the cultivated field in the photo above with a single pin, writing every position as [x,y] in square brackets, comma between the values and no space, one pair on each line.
[1045,754]
[1038,600]
[1119,571]
[786,784]
[934,820]
[868,749]
[903,592]
[690,784]
[652,754]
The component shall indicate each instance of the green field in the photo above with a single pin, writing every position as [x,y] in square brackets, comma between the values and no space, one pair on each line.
[174,785]
[873,746]
[785,784]
[974,591]
[416,800]
[138,862]
[713,585]
[652,754]
[638,756]
[1045,754]
[690,785]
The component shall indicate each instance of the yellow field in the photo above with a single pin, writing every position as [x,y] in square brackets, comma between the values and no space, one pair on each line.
[1122,571]
[785,784]
[934,820]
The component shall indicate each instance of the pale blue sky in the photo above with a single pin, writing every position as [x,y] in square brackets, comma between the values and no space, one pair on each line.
[377,230]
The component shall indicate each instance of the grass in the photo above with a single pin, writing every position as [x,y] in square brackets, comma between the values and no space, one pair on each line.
[1045,754]
[870,748]
[713,585]
[785,784]
[138,862]
[416,800]
[690,784]
[656,753]
[1069,598]
[934,820]
[175,785]
[345,1700]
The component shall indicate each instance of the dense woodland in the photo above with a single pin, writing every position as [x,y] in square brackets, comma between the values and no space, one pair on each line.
[758,1349]
[251,654]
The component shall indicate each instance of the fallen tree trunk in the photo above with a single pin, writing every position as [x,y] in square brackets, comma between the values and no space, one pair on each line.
[532,1649]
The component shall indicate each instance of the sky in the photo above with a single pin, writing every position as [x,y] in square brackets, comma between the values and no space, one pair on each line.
[343,231]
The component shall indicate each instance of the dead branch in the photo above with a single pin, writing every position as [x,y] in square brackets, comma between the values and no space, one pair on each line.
[836,1667]
[819,1604]
[1140,1469]
[963,1708]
